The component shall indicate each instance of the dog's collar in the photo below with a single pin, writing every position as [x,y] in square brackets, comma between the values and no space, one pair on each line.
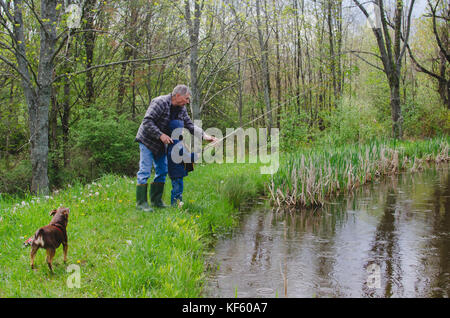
[59,228]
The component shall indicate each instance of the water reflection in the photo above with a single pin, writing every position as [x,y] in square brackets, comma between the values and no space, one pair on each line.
[389,240]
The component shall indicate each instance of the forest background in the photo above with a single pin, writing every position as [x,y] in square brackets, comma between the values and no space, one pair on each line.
[72,96]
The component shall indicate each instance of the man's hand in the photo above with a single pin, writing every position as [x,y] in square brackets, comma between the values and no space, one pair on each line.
[166,139]
[210,138]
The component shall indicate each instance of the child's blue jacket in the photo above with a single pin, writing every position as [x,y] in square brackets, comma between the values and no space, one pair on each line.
[177,156]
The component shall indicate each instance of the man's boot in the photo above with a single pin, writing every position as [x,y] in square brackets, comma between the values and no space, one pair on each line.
[156,193]
[141,198]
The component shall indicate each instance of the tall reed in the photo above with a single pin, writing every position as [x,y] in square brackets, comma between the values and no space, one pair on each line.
[309,177]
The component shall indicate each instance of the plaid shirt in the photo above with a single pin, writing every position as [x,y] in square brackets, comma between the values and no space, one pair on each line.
[156,123]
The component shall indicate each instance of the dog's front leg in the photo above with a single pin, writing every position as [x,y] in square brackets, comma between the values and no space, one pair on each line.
[65,248]
[50,254]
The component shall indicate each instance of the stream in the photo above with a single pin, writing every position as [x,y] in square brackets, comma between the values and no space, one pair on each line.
[389,239]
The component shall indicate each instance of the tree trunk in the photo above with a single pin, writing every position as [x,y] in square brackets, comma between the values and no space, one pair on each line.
[240,102]
[65,123]
[391,55]
[38,99]
[89,39]
[396,113]
[194,29]
[331,42]
[444,84]
[278,67]
[53,136]
[265,66]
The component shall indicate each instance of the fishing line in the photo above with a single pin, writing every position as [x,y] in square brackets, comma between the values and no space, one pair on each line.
[259,117]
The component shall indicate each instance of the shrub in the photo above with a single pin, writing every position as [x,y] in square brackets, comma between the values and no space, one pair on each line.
[238,188]
[353,122]
[107,144]
[424,119]
[295,131]
[16,180]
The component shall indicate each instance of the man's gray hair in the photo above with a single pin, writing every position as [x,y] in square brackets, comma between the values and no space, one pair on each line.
[182,90]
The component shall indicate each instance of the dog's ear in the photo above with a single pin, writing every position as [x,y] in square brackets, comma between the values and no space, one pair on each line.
[52,212]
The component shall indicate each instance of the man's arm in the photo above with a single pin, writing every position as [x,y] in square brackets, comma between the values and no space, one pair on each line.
[152,115]
[194,130]
[189,125]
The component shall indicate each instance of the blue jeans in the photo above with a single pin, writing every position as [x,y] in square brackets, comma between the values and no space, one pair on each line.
[177,190]
[147,160]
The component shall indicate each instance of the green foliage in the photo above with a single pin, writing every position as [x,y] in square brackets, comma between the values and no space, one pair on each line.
[376,91]
[108,143]
[313,176]
[239,187]
[295,131]
[16,180]
[352,122]
[425,119]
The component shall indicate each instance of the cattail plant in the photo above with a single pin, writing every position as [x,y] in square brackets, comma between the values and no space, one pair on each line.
[309,178]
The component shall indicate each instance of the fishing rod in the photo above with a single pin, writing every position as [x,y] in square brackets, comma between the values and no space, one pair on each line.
[214,144]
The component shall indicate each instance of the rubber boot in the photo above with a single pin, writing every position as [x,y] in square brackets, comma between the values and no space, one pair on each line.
[141,198]
[156,193]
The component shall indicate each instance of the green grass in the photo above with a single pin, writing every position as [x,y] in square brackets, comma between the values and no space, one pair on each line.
[122,252]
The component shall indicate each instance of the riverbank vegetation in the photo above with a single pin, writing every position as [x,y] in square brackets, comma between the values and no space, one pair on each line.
[311,177]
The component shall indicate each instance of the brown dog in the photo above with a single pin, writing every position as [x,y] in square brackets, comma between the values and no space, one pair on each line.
[51,236]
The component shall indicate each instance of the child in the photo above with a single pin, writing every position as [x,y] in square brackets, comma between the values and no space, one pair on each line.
[179,160]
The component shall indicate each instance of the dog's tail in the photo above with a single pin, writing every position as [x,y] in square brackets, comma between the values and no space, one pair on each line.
[38,240]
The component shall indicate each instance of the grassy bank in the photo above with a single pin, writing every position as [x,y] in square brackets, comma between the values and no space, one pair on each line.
[121,252]
[312,176]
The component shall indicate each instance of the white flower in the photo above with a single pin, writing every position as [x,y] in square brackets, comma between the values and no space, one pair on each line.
[24,203]
[82,201]
[96,193]
[129,242]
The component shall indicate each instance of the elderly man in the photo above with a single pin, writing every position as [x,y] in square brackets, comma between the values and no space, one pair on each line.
[153,135]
